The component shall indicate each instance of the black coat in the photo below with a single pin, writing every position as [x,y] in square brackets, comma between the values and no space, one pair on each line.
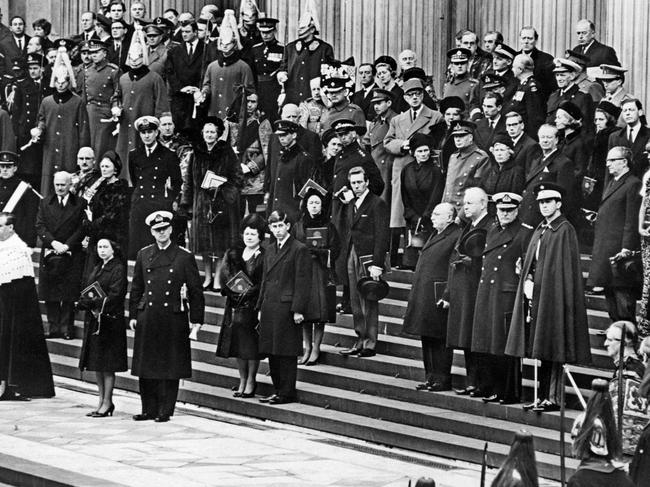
[423,317]
[525,150]
[110,210]
[529,101]
[369,231]
[443,141]
[65,225]
[509,177]
[11,52]
[597,167]
[576,147]
[285,178]
[598,54]
[162,346]
[497,287]
[24,114]
[543,71]
[302,63]
[104,342]
[182,70]
[639,160]
[286,288]
[422,186]
[484,135]
[117,57]
[616,229]
[575,96]
[462,285]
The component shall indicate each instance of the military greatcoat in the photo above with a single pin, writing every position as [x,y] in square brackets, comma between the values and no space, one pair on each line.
[100,94]
[466,166]
[302,63]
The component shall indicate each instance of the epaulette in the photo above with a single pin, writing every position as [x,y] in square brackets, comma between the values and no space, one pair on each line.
[526,225]
[147,247]
[258,44]
[362,152]
[112,65]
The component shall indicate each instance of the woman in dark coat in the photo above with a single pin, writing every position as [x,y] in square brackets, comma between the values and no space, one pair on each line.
[424,317]
[505,175]
[215,210]
[315,215]
[422,185]
[239,336]
[576,144]
[104,341]
[108,209]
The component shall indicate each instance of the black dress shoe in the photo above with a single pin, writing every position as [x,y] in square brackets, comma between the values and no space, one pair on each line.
[532,405]
[476,393]
[465,392]
[439,387]
[281,400]
[142,417]
[548,406]
[350,351]
[509,400]
[163,418]
[423,386]
[491,398]
[268,398]
[67,336]
[367,352]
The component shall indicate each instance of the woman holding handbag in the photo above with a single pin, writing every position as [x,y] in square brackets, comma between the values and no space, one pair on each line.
[240,278]
[104,341]
[317,232]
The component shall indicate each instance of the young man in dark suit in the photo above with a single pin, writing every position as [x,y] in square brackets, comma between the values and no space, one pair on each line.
[367,236]
[283,302]
[524,146]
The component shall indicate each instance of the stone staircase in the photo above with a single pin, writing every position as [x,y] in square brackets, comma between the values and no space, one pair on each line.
[374,399]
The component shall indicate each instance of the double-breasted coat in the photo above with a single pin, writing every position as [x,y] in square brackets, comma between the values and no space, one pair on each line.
[264,59]
[63,120]
[286,288]
[616,229]
[575,96]
[400,129]
[529,102]
[466,166]
[302,63]
[525,150]
[422,185]
[462,286]
[65,225]
[423,317]
[162,345]
[220,80]
[497,287]
[383,159]
[287,176]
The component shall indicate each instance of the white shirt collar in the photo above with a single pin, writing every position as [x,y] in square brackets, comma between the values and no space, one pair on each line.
[283,241]
[360,199]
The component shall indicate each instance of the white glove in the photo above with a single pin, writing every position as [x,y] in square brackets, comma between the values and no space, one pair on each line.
[245,169]
[35,133]
[282,77]
[116,112]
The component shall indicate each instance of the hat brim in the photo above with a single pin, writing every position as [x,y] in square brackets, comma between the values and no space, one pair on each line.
[359,130]
[160,225]
[373,290]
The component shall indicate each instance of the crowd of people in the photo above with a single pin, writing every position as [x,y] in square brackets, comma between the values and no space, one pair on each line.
[200,134]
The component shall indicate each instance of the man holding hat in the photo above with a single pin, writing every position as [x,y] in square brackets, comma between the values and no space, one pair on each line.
[18,197]
[339,104]
[466,166]
[288,173]
[156,175]
[549,323]
[566,71]
[382,104]
[100,93]
[303,57]
[506,244]
[418,118]
[461,85]
[264,59]
[166,283]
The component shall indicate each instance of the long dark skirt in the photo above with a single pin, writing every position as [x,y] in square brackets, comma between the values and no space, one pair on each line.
[104,347]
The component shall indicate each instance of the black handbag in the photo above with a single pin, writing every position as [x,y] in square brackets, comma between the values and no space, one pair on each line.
[416,240]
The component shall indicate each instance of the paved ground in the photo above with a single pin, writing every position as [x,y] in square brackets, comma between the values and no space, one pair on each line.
[199,447]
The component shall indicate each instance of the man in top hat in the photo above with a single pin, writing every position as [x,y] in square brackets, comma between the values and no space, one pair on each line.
[528,100]
[60,226]
[566,71]
[506,244]
[100,92]
[302,58]
[466,166]
[549,323]
[363,98]
[166,283]
[141,93]
[417,119]
[288,173]
[586,85]
[18,197]
[634,135]
[492,124]
[588,46]
[461,84]
[452,109]
[382,103]
[339,106]
[156,33]
[366,246]
[464,275]
[616,236]
[156,176]
[264,59]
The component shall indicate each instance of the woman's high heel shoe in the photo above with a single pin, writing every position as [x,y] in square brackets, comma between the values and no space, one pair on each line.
[91,414]
[248,395]
[108,412]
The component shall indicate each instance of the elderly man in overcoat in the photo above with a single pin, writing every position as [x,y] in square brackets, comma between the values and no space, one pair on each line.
[59,225]
[166,283]
[423,317]
[283,303]
[616,236]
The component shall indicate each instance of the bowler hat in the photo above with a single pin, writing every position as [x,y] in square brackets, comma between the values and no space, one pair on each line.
[473,242]
[372,290]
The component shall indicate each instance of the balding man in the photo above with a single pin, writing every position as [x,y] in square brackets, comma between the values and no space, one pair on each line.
[307,139]
[59,224]
[429,283]
[87,174]
[527,100]
[588,46]
[464,275]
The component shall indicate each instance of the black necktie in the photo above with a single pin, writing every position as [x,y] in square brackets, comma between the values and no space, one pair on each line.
[61,201]
[414,115]
[189,49]
[629,136]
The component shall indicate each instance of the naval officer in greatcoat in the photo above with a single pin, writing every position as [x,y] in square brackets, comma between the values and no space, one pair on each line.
[166,292]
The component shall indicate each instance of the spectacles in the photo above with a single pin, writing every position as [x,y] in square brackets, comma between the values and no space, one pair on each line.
[414,94]
[618,158]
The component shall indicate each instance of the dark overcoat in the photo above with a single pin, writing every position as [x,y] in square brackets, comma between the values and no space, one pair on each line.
[289,173]
[639,159]
[497,288]
[100,94]
[525,150]
[558,329]
[462,285]
[368,230]
[182,70]
[383,159]
[422,186]
[507,177]
[616,229]
[65,225]
[423,317]
[286,288]
[162,345]
[302,63]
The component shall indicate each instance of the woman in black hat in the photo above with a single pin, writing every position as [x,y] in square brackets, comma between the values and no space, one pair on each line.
[504,175]
[108,208]
[316,231]
[574,140]
[214,204]
[422,187]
